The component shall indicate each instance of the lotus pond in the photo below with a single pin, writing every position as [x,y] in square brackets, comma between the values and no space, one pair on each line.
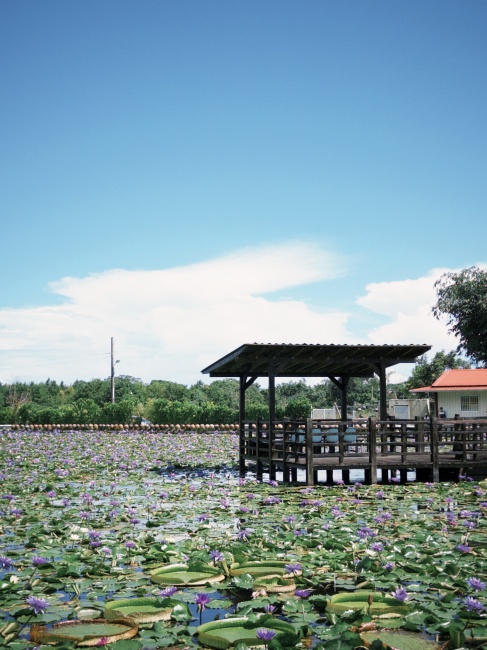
[145,541]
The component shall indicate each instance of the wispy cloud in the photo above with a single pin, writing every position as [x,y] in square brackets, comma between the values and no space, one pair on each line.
[171,323]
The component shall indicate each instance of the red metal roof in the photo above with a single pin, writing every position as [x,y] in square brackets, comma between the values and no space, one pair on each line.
[458,379]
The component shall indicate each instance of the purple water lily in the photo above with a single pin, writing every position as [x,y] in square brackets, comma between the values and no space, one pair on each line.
[293,568]
[400,594]
[168,592]
[6,563]
[39,605]
[473,605]
[265,634]
[202,600]
[217,556]
[476,584]
[463,548]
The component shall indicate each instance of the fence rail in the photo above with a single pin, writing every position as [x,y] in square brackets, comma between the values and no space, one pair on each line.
[428,446]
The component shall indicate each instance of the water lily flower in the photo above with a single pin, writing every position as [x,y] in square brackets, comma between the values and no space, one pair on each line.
[168,592]
[6,563]
[244,534]
[463,548]
[39,561]
[303,593]
[473,605]
[293,567]
[39,605]
[476,584]
[202,600]
[400,594]
[217,556]
[265,634]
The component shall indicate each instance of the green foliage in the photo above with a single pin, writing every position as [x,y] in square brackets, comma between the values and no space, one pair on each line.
[298,407]
[117,413]
[462,298]
[426,372]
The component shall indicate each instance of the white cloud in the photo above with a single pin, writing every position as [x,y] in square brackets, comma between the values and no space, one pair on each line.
[169,324]
[407,306]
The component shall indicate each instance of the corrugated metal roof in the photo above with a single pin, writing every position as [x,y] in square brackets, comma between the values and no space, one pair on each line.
[458,379]
[312,360]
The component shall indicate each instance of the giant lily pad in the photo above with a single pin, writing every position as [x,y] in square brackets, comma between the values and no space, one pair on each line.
[261,568]
[230,632]
[143,610]
[361,600]
[186,575]
[399,640]
[85,633]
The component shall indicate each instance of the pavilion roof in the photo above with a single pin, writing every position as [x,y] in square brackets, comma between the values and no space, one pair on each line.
[312,360]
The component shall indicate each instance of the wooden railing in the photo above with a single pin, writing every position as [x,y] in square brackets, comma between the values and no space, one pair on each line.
[369,443]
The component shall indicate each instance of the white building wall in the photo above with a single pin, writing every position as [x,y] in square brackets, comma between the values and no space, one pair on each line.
[451,403]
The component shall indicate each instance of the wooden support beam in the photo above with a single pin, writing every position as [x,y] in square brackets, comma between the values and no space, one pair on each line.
[309,452]
[372,451]
[380,369]
[435,451]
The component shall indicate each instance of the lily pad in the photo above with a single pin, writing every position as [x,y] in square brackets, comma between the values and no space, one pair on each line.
[359,600]
[262,568]
[85,633]
[143,610]
[182,574]
[230,632]
[399,640]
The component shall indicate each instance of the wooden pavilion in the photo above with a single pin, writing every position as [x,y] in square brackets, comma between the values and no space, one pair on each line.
[435,450]
[336,362]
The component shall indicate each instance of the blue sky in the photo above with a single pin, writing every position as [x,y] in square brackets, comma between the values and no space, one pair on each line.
[156,156]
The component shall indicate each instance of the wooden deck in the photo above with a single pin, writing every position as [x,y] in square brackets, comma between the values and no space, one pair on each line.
[436,449]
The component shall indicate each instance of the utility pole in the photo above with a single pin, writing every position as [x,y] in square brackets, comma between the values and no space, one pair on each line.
[112,365]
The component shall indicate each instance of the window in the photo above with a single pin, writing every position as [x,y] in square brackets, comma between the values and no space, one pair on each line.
[469,403]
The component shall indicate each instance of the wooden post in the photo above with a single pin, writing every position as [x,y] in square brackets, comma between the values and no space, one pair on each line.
[272,417]
[241,418]
[435,451]
[344,386]
[285,439]
[258,470]
[309,452]
[372,451]
[404,439]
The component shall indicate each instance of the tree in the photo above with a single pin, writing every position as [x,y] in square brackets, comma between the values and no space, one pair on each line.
[426,372]
[298,408]
[462,298]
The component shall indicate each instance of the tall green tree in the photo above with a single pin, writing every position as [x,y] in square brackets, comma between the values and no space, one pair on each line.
[426,372]
[462,298]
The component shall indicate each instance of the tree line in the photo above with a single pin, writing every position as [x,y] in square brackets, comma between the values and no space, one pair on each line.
[167,402]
